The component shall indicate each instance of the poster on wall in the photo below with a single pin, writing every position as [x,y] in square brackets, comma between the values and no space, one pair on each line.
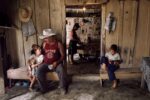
[89,28]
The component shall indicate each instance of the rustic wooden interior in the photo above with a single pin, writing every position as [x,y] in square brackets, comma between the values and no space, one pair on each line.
[131,34]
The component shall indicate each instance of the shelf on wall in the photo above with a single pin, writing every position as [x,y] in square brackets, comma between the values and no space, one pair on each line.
[6,27]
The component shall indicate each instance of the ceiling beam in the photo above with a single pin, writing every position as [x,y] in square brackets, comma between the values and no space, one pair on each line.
[84,2]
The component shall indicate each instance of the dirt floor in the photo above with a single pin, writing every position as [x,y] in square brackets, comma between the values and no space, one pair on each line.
[127,90]
[84,90]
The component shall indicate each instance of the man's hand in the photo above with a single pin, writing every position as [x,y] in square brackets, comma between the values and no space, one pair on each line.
[32,66]
[54,64]
[116,63]
[110,62]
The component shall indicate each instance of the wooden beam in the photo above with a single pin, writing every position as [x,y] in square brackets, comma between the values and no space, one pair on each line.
[85,2]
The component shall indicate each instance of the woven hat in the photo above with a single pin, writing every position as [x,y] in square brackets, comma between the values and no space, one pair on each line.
[47,33]
[25,14]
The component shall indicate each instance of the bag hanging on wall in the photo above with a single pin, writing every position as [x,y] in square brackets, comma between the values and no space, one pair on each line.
[110,23]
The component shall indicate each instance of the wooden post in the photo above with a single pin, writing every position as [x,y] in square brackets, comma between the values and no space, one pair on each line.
[103,30]
[2,87]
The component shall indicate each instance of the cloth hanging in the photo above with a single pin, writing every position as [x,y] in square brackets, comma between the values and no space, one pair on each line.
[28,28]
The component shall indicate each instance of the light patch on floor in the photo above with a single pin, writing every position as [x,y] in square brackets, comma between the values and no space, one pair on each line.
[127,90]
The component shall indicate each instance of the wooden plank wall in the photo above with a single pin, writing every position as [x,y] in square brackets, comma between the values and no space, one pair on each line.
[130,29]
[46,14]
[142,46]
[131,32]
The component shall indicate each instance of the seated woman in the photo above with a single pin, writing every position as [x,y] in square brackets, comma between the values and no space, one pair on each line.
[110,63]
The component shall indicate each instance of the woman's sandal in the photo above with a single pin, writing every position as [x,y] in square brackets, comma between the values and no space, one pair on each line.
[30,89]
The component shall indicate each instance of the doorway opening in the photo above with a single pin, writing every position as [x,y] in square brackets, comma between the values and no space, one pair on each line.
[86,57]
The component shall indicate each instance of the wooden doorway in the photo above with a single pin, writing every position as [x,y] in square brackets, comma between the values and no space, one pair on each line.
[89,19]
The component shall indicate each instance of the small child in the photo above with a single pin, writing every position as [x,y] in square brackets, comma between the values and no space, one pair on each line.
[110,63]
[34,62]
[34,46]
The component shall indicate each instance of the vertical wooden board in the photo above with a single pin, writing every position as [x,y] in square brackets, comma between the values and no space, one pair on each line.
[42,16]
[135,5]
[28,46]
[20,48]
[63,13]
[149,25]
[11,46]
[129,31]
[2,88]
[127,35]
[27,43]
[120,24]
[142,39]
[103,32]
[112,38]
[56,17]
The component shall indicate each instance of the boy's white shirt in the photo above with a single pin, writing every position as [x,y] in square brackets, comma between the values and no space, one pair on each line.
[116,56]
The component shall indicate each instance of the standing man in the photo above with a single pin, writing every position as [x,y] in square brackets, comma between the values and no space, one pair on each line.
[53,61]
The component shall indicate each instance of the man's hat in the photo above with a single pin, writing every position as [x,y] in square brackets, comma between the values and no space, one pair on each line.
[47,33]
